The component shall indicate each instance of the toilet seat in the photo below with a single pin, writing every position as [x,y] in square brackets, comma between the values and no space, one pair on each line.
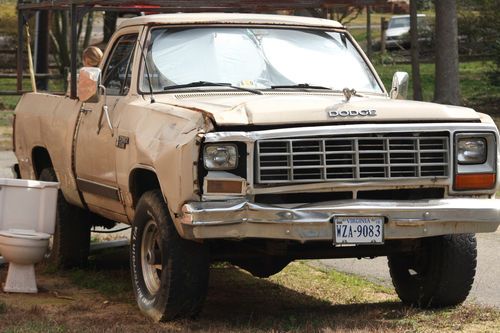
[24,234]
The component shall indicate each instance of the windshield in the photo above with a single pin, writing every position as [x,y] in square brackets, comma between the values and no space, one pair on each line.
[404,22]
[399,22]
[255,58]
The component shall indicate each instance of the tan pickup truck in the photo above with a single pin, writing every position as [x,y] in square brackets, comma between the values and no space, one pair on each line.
[257,140]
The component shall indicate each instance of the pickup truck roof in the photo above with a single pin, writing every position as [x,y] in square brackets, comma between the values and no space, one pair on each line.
[230,18]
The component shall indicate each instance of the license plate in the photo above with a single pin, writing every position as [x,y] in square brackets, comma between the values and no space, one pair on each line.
[358,229]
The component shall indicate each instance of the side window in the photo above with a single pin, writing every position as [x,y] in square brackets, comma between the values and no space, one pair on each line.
[118,71]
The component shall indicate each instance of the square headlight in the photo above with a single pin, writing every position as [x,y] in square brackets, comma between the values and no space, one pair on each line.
[471,150]
[220,156]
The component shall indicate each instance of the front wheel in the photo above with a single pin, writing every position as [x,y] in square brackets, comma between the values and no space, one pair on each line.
[169,274]
[440,273]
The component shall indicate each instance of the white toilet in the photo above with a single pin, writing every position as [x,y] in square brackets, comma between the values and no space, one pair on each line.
[27,220]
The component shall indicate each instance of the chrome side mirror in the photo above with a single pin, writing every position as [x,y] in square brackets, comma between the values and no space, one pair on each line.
[399,89]
[89,81]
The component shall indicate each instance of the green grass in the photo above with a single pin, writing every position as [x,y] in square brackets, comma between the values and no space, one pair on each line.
[8,17]
[3,307]
[475,89]
[102,282]
[10,102]
[36,327]
[6,118]
[108,273]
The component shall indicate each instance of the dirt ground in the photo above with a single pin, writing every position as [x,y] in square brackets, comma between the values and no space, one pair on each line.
[300,299]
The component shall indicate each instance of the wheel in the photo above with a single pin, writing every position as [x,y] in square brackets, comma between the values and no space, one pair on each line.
[71,240]
[263,267]
[439,274]
[169,274]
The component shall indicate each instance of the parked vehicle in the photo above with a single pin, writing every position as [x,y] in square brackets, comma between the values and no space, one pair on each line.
[397,34]
[259,139]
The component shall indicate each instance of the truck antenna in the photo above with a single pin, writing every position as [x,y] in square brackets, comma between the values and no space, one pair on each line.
[143,56]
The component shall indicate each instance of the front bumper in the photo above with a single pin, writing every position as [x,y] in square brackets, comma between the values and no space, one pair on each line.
[240,219]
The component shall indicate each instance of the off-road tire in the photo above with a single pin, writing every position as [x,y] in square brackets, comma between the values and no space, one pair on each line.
[439,274]
[71,240]
[179,288]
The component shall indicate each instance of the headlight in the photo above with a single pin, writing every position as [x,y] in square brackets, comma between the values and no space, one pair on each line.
[220,157]
[471,150]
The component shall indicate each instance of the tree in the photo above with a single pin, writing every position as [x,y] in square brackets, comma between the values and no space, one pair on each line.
[60,37]
[446,88]
[415,61]
[479,31]
[110,19]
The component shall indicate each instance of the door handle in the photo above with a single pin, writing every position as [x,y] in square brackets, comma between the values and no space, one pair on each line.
[105,112]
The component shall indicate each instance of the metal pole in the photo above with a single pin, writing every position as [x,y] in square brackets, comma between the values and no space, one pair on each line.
[74,49]
[20,43]
[41,51]
[368,32]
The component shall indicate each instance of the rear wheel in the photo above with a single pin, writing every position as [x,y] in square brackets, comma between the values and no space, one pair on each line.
[439,274]
[169,274]
[71,240]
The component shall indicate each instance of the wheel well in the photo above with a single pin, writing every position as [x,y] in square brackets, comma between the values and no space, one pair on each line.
[141,181]
[40,159]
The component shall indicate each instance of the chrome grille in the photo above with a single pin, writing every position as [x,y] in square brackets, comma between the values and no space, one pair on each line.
[383,156]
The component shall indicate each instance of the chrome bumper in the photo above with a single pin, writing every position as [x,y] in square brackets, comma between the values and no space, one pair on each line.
[313,222]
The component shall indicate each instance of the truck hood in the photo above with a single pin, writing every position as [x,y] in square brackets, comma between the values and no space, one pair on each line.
[293,108]
[397,32]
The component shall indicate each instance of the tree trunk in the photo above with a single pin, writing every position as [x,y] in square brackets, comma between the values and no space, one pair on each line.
[415,61]
[369,32]
[110,19]
[446,89]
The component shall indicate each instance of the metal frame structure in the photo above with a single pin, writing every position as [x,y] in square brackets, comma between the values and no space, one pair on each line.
[79,8]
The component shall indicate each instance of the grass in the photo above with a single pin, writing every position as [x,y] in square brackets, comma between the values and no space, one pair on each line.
[37,327]
[476,91]
[8,17]
[299,299]
[6,130]
[3,307]
[8,84]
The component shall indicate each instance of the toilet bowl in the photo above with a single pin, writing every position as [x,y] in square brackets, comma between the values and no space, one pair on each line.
[27,220]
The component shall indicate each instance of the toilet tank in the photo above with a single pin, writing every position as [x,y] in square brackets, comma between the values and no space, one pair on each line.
[28,204]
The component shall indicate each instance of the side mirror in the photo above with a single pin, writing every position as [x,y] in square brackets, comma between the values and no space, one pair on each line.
[399,89]
[89,80]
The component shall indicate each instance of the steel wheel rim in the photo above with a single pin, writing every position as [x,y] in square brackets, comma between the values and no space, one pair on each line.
[151,257]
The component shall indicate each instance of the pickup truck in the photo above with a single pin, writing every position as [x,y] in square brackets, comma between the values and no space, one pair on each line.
[257,140]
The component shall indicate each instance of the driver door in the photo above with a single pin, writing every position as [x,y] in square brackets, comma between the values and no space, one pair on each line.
[95,156]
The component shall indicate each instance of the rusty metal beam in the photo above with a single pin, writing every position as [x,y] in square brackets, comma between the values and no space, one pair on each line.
[197,5]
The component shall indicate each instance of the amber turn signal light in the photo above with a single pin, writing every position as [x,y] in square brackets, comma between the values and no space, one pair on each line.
[224,186]
[475,181]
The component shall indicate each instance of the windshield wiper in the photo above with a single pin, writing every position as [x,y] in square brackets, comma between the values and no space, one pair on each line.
[211,84]
[300,86]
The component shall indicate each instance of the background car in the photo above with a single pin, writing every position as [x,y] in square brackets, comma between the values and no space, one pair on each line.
[397,33]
